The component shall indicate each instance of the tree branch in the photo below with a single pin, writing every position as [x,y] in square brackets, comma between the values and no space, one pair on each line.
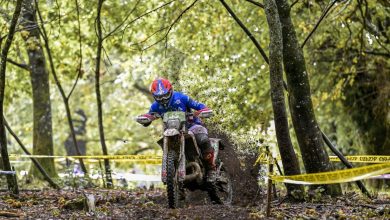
[256,3]
[169,28]
[245,30]
[146,13]
[377,53]
[381,45]
[142,150]
[21,65]
[295,2]
[177,20]
[35,161]
[79,68]
[318,22]
[120,25]
[148,37]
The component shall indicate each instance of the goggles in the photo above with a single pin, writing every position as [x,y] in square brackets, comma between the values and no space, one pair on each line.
[163,98]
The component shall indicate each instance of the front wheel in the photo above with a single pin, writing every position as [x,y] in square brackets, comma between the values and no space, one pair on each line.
[221,191]
[172,184]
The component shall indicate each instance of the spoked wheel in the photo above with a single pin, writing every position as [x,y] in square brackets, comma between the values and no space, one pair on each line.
[221,191]
[172,184]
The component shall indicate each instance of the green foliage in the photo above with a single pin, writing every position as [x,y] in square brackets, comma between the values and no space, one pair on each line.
[337,56]
[206,55]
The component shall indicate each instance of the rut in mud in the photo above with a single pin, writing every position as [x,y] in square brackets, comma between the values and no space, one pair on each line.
[242,172]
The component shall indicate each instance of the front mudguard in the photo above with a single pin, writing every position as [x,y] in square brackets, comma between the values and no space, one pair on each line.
[171,132]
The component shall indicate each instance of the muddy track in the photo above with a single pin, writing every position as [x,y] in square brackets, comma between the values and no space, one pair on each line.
[139,204]
[153,204]
[242,172]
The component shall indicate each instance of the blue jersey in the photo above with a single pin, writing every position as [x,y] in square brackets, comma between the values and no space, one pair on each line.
[179,102]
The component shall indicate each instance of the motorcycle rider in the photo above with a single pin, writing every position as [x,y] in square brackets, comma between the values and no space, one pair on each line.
[166,99]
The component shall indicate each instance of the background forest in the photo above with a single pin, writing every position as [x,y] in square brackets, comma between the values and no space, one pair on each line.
[201,49]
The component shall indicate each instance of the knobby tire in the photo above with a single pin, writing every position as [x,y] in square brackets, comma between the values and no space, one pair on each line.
[218,196]
[172,185]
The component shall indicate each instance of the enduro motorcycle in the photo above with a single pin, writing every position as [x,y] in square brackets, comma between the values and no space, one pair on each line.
[182,164]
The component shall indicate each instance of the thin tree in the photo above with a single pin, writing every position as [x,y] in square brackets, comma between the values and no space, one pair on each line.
[42,132]
[3,66]
[314,155]
[289,159]
[98,27]
[286,149]
[65,98]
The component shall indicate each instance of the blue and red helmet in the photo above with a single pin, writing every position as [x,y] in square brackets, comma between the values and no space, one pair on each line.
[161,90]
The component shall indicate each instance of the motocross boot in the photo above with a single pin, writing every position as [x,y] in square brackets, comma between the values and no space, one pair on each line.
[211,168]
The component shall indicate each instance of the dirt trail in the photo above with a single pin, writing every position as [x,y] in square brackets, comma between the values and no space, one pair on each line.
[152,204]
[120,204]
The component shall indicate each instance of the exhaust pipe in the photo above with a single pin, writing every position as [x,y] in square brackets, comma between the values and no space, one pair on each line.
[196,175]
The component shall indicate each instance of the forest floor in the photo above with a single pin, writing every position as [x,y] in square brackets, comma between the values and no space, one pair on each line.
[248,202]
[151,204]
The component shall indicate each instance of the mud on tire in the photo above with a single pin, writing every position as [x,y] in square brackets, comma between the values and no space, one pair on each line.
[221,191]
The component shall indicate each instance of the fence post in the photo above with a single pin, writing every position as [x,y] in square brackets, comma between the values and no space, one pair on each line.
[269,187]
[15,188]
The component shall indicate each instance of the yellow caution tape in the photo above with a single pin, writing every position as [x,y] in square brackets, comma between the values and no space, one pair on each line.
[364,158]
[339,176]
[263,159]
[91,161]
[110,157]
[138,161]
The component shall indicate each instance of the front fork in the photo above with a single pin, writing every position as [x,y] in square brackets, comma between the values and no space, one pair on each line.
[182,160]
[181,168]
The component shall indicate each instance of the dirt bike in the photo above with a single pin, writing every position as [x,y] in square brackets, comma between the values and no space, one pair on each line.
[182,164]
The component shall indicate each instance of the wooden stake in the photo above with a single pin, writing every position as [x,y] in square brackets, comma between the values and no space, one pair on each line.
[15,187]
[269,190]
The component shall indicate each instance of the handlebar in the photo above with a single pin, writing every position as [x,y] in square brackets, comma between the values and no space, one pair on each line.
[204,114]
[156,115]
[145,120]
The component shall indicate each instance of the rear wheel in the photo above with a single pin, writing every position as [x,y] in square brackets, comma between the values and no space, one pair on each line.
[221,191]
[172,184]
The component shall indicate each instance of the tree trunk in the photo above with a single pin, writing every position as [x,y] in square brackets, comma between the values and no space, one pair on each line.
[289,158]
[98,97]
[64,97]
[42,131]
[314,155]
[12,184]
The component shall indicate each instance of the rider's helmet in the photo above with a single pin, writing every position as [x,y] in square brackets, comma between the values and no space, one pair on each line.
[162,91]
